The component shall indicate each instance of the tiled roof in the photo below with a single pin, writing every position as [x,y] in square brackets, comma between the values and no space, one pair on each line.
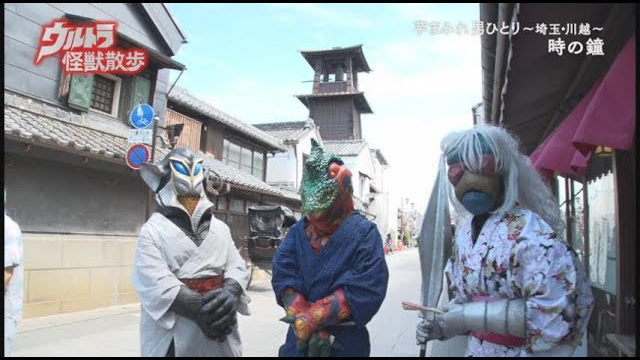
[344,147]
[235,176]
[287,131]
[360,62]
[361,100]
[182,96]
[290,193]
[37,121]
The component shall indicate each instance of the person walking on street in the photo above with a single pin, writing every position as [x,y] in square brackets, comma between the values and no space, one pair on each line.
[13,283]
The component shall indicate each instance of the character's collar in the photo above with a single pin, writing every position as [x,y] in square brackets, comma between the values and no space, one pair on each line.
[169,198]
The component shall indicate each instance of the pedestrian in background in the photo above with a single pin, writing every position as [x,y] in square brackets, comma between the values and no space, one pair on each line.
[13,274]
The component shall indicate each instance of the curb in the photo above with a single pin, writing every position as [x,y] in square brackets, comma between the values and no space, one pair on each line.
[43,322]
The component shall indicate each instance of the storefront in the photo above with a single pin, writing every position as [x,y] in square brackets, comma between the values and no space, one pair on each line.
[592,151]
[575,118]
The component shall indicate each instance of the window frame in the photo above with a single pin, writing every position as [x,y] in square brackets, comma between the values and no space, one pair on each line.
[117,92]
[260,156]
[240,165]
[230,206]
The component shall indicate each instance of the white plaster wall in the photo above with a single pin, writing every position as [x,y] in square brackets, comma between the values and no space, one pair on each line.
[281,167]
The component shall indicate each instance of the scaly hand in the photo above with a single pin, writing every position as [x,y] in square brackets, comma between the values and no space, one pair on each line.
[330,310]
[320,344]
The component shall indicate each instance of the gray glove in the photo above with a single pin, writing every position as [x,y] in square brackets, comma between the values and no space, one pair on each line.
[220,310]
[189,303]
[436,327]
[504,316]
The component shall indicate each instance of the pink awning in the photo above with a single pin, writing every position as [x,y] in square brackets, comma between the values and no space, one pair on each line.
[604,117]
[610,118]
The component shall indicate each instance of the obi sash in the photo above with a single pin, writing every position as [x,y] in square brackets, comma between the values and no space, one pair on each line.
[204,285]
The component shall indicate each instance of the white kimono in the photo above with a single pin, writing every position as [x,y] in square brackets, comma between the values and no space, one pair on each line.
[520,256]
[165,254]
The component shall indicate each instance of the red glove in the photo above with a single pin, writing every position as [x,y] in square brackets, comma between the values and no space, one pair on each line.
[328,311]
[294,302]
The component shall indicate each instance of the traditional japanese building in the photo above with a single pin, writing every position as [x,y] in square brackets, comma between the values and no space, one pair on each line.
[80,207]
[575,117]
[335,103]
[236,151]
[284,170]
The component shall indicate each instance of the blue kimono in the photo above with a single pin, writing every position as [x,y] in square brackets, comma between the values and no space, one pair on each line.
[354,260]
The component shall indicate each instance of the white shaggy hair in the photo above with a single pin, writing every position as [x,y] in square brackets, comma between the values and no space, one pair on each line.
[523,185]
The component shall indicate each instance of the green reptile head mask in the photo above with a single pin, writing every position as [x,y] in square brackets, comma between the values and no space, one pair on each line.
[322,179]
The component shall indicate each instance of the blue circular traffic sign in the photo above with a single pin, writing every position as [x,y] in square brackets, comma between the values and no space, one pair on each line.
[141,116]
[137,155]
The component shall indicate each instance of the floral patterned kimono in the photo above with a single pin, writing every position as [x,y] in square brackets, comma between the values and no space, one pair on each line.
[520,256]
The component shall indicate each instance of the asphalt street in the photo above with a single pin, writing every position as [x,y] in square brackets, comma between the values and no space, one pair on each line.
[115,331]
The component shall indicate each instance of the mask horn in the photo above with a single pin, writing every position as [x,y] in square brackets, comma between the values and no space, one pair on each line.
[152,175]
[213,182]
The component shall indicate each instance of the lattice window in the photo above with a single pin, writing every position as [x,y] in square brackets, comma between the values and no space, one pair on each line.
[103,94]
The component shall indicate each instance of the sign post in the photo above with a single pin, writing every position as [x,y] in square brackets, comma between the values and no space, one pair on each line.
[141,136]
[142,116]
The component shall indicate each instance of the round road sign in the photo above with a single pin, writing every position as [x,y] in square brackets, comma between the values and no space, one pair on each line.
[137,155]
[141,116]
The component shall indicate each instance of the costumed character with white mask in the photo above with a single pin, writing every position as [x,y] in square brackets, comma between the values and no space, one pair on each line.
[188,274]
[519,289]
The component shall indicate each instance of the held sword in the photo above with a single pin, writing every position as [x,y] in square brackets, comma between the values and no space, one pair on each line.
[434,246]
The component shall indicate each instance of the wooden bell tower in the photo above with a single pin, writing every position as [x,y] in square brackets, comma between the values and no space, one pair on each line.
[335,103]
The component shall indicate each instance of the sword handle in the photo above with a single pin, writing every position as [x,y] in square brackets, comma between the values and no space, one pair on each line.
[423,350]
[415,307]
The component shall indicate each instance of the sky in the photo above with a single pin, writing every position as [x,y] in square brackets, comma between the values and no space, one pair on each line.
[245,60]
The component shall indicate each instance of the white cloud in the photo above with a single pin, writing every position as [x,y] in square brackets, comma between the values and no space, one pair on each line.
[421,88]
[416,106]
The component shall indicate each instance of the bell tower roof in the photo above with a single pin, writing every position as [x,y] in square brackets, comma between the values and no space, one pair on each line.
[339,53]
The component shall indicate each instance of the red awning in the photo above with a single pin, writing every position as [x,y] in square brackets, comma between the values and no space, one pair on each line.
[604,117]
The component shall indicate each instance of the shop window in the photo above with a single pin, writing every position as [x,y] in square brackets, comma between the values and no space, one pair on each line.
[562,200]
[236,206]
[577,223]
[602,232]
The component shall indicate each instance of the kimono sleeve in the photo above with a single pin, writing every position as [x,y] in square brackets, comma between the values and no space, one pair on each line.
[286,271]
[153,281]
[12,243]
[365,284]
[548,275]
